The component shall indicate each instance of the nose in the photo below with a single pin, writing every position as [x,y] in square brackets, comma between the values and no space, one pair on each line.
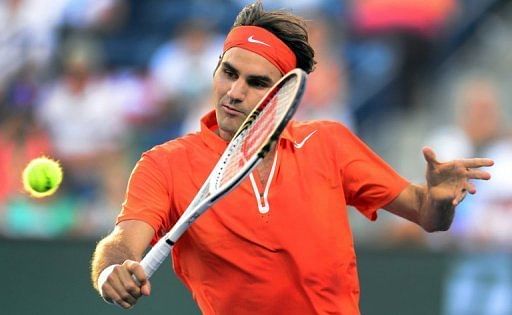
[238,90]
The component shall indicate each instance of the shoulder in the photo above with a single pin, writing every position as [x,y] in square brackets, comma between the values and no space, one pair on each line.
[326,129]
[174,149]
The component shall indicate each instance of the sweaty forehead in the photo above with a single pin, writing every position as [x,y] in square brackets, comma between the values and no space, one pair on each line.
[249,63]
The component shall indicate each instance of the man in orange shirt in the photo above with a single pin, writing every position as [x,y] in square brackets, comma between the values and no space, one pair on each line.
[281,241]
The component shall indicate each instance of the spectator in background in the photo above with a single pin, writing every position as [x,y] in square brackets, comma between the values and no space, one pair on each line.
[86,121]
[391,46]
[480,280]
[302,7]
[478,124]
[22,139]
[182,90]
[27,36]
[326,92]
[101,15]
[478,119]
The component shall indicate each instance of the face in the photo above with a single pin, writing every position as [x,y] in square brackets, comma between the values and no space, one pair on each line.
[239,83]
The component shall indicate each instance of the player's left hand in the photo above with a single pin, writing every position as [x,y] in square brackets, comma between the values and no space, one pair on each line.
[449,182]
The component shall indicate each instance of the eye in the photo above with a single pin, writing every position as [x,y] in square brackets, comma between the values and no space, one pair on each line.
[259,84]
[229,73]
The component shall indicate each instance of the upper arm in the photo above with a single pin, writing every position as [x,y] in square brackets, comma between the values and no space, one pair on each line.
[149,193]
[407,204]
[369,182]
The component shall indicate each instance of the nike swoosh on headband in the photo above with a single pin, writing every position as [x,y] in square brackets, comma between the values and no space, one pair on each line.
[301,144]
[251,39]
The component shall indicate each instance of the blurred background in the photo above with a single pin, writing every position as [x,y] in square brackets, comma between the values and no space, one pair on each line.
[94,83]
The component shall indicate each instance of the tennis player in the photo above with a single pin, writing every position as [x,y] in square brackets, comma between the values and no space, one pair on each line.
[280,243]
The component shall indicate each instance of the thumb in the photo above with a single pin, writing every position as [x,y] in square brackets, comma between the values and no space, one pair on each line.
[145,289]
[430,156]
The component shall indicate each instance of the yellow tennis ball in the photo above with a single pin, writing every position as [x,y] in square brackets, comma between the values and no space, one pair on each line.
[42,177]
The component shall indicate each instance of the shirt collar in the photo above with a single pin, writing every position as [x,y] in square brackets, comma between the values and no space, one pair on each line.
[208,133]
[210,127]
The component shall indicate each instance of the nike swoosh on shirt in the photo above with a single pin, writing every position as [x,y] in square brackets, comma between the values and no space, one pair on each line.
[251,39]
[299,145]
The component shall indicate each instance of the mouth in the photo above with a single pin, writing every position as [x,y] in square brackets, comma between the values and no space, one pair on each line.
[232,111]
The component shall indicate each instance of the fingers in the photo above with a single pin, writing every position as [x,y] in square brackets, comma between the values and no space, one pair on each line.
[125,284]
[477,174]
[460,197]
[469,188]
[477,162]
[463,168]
[138,274]
[431,158]
[113,289]
[145,289]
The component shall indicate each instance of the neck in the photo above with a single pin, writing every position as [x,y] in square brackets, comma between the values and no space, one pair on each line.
[226,136]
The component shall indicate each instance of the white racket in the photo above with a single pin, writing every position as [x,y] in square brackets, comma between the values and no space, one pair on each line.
[250,144]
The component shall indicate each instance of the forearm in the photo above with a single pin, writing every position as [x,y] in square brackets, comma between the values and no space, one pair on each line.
[109,251]
[416,204]
[128,241]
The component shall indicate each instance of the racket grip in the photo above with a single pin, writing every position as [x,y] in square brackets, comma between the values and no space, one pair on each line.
[155,257]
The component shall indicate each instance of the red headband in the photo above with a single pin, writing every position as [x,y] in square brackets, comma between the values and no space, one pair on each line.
[263,43]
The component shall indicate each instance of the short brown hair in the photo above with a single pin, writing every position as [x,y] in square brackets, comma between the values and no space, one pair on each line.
[289,28]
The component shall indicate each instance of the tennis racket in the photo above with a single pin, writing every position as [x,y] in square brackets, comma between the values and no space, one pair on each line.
[250,144]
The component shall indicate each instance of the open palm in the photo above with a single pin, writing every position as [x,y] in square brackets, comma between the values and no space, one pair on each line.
[450,181]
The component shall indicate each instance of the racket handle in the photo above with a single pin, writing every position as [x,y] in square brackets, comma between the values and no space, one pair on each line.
[156,256]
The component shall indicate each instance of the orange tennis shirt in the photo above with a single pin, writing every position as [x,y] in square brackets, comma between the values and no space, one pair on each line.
[295,257]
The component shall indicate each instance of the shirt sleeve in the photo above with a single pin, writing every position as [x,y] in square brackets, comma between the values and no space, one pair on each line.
[369,183]
[148,194]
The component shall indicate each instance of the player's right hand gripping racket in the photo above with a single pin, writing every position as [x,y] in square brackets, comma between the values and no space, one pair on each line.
[250,144]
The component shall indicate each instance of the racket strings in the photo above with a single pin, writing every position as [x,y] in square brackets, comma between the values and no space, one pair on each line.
[250,140]
[269,118]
